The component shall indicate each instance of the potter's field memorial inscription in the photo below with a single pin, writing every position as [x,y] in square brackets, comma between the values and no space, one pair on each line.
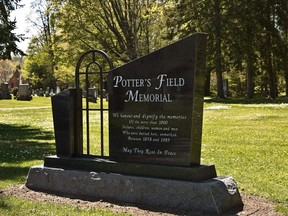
[156,105]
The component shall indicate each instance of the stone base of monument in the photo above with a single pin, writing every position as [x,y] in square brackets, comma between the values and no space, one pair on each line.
[215,195]
[24,98]
[5,97]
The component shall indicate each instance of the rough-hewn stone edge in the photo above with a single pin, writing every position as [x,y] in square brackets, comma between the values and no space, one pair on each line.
[214,196]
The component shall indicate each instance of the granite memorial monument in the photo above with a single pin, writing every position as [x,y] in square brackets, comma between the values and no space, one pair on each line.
[155,130]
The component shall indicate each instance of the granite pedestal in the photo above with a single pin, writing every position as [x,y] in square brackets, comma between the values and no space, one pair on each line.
[215,196]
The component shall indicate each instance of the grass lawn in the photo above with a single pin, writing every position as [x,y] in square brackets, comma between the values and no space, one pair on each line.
[249,142]
[244,139]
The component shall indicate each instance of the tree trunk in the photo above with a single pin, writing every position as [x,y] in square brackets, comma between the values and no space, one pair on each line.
[270,71]
[268,57]
[250,63]
[286,79]
[218,58]
[207,91]
[286,69]
[250,80]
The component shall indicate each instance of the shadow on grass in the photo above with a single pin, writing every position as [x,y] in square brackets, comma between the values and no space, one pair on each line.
[13,173]
[20,143]
[256,100]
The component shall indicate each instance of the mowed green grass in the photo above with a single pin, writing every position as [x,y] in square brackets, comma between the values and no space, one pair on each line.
[246,141]
[26,137]
[14,206]
[250,143]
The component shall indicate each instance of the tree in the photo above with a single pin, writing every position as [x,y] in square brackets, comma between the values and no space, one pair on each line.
[240,46]
[41,60]
[284,24]
[123,28]
[8,39]
[247,40]
[272,47]
[38,66]
[6,70]
[243,36]
[202,16]
[218,20]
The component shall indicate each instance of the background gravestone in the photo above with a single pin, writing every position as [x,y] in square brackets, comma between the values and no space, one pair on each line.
[156,105]
[92,95]
[24,92]
[5,94]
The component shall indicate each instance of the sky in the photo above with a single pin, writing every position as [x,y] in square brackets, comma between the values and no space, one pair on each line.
[23,26]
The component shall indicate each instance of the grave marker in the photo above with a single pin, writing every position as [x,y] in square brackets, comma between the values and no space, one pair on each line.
[24,93]
[155,129]
[156,105]
[4,91]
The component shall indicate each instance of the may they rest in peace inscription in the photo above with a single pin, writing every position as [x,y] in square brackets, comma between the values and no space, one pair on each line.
[155,104]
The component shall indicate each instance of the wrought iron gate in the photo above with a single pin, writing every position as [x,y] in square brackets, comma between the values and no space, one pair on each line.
[91,64]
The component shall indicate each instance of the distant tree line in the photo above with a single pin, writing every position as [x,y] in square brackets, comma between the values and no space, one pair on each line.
[247,40]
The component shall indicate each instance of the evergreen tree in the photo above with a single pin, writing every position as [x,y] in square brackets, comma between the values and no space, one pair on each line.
[8,39]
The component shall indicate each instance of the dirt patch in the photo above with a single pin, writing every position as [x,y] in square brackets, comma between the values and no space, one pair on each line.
[253,205]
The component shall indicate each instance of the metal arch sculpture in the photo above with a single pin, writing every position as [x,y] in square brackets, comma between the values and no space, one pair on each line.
[86,73]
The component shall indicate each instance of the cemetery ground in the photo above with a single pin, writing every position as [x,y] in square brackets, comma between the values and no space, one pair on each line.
[246,139]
